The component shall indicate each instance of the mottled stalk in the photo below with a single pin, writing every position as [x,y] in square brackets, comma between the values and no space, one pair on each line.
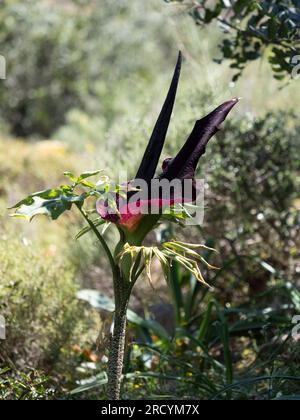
[117,340]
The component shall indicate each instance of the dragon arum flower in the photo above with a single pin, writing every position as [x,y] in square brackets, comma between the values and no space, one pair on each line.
[146,197]
[135,208]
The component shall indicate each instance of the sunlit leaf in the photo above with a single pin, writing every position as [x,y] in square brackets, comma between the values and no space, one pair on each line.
[86,229]
[51,203]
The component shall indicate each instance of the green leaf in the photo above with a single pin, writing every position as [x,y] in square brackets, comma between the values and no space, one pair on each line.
[82,177]
[51,203]
[96,299]
[203,329]
[100,301]
[71,176]
[175,285]
[90,383]
[223,330]
[267,267]
[89,174]
[45,194]
[96,223]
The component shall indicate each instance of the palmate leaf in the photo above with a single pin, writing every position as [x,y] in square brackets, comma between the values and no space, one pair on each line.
[45,194]
[54,202]
[51,203]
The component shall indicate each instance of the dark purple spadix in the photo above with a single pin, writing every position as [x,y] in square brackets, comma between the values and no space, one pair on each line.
[152,154]
[184,164]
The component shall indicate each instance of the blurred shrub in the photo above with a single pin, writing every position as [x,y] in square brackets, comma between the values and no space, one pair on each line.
[58,55]
[253,175]
[253,29]
[26,166]
[39,279]
[37,296]
[241,351]
[32,385]
[46,61]
[227,344]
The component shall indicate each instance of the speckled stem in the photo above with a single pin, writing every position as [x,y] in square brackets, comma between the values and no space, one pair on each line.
[117,341]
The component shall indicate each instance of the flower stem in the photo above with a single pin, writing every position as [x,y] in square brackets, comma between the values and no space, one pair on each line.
[122,291]
[101,240]
[117,341]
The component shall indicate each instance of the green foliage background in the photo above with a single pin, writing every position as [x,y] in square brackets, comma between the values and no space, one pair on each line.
[251,29]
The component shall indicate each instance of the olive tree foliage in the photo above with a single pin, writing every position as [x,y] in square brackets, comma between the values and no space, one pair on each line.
[253,29]
[77,54]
